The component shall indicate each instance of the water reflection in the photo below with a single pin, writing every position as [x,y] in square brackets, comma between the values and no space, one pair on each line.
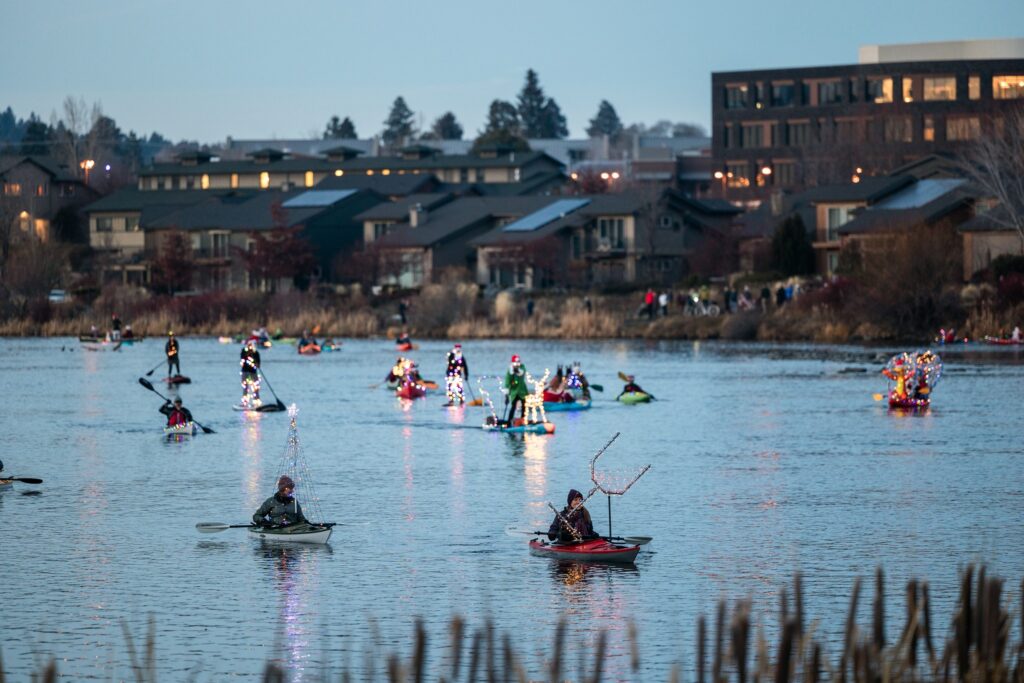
[252,458]
[295,575]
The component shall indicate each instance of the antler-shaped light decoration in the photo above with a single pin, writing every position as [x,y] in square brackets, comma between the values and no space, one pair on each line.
[613,483]
[535,401]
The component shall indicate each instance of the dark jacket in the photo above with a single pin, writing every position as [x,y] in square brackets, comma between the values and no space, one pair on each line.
[578,518]
[457,366]
[250,361]
[280,510]
[168,410]
[171,348]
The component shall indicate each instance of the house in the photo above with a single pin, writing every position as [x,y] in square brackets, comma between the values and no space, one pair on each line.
[42,197]
[986,236]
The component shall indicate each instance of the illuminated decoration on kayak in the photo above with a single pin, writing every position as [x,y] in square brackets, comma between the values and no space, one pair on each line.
[293,463]
[538,395]
[912,378]
[535,401]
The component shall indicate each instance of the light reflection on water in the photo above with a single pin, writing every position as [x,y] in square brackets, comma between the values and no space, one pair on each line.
[764,460]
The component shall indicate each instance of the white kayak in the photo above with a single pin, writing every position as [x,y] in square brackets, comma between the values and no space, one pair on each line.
[296,533]
[186,429]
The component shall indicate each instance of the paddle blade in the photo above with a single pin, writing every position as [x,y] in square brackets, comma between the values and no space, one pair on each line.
[206,430]
[476,402]
[211,527]
[877,397]
[638,540]
[146,383]
[24,480]
[623,376]
[597,387]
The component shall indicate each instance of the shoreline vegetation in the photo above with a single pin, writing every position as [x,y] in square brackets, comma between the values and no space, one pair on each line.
[977,646]
[829,314]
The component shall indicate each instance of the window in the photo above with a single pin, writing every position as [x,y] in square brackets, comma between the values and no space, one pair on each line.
[974,87]
[783,94]
[610,233]
[908,89]
[729,140]
[1007,87]
[264,180]
[833,262]
[826,130]
[855,90]
[963,128]
[463,175]
[479,175]
[879,89]
[847,130]
[939,88]
[798,133]
[737,173]
[309,179]
[234,181]
[785,173]
[577,246]
[928,129]
[12,189]
[898,129]
[380,229]
[220,244]
[41,190]
[837,217]
[753,135]
[131,224]
[760,96]
[736,96]
[204,181]
[829,93]
[104,224]
[196,241]
[160,183]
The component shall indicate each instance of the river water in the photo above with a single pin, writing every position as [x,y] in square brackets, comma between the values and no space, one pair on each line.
[764,460]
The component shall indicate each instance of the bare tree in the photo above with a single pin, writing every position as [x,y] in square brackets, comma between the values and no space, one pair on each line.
[995,164]
[72,130]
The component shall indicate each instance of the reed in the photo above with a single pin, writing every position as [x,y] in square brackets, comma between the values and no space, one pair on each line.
[977,649]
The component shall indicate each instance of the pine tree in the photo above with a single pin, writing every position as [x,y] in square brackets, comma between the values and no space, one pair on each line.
[553,121]
[791,247]
[502,116]
[338,129]
[530,106]
[398,127]
[605,122]
[446,127]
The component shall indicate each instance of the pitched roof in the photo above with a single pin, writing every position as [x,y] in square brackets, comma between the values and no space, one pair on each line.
[619,204]
[134,199]
[399,209]
[880,219]
[869,189]
[460,215]
[389,185]
[56,169]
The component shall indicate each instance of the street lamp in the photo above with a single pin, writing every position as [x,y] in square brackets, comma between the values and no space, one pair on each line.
[86,166]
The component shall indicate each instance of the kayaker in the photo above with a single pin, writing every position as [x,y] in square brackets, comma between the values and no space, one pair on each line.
[250,362]
[575,379]
[403,339]
[176,414]
[455,375]
[281,509]
[631,386]
[397,371]
[578,518]
[306,339]
[515,389]
[128,334]
[555,392]
[171,349]
[898,374]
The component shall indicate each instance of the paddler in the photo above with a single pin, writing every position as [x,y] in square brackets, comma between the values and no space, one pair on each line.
[515,388]
[281,509]
[115,327]
[306,339]
[576,519]
[456,374]
[176,414]
[250,362]
[575,379]
[631,386]
[171,349]
[397,373]
[403,339]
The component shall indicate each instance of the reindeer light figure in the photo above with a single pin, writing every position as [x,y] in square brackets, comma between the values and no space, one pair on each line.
[535,401]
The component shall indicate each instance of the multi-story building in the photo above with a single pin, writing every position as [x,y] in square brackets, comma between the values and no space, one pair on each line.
[41,197]
[803,127]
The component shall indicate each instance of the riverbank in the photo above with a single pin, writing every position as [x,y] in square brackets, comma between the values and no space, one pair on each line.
[459,311]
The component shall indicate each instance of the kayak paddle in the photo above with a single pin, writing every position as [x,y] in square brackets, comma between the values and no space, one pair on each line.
[597,387]
[23,480]
[280,404]
[150,373]
[216,527]
[146,383]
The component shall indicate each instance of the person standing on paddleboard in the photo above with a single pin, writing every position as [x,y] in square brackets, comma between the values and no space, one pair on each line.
[455,375]
[250,362]
[578,519]
[516,390]
[176,414]
[171,349]
[281,509]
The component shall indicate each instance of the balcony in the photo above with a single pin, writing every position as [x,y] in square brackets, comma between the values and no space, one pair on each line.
[211,256]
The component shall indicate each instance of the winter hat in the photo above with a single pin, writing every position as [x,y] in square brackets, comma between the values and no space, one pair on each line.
[285,482]
[515,358]
[573,495]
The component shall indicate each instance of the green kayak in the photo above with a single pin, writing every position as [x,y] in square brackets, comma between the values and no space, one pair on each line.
[632,397]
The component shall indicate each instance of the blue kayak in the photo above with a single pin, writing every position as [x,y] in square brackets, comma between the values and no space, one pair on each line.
[532,428]
[560,407]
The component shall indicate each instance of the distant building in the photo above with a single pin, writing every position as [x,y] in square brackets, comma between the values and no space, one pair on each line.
[802,127]
[41,197]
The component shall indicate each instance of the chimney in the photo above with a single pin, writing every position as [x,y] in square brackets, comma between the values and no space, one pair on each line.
[417,215]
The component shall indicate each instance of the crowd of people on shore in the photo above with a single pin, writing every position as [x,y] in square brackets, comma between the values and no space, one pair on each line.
[705,301]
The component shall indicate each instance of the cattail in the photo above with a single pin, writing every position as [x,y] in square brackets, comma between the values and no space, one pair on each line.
[782,664]
[556,660]
[701,646]
[798,602]
[716,665]
[851,628]
[878,612]
[455,630]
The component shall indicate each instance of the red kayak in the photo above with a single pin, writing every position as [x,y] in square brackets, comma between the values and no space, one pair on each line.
[178,379]
[310,349]
[408,346]
[597,550]
[410,390]
[908,402]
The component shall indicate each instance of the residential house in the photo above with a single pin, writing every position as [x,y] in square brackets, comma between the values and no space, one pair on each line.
[42,197]
[988,235]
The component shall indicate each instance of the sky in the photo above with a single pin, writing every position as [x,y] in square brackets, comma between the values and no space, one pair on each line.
[255,69]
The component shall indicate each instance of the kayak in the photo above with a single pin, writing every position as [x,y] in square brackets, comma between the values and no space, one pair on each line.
[178,379]
[186,429]
[98,343]
[410,390]
[1001,341]
[310,349]
[597,550]
[265,408]
[296,533]
[634,397]
[908,402]
[409,346]
[561,406]
[531,428]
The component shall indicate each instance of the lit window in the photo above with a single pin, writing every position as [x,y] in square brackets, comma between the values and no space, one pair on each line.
[40,190]
[908,89]
[369,171]
[963,128]
[309,179]
[1007,87]
[339,173]
[939,88]
[204,182]
[386,171]
[264,180]
[12,189]
[880,89]
[928,132]
[974,87]
[234,181]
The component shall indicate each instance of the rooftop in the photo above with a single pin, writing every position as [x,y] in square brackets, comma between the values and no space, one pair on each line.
[953,50]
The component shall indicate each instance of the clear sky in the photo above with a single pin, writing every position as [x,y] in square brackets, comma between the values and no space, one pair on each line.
[203,70]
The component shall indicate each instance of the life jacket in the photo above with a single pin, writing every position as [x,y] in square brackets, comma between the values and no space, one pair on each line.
[176,418]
